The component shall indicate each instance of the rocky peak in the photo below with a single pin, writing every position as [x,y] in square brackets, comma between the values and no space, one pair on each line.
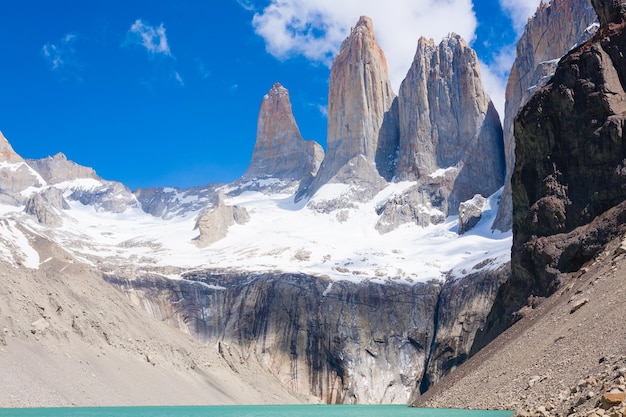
[555,28]
[280,151]
[6,151]
[448,122]
[57,168]
[360,107]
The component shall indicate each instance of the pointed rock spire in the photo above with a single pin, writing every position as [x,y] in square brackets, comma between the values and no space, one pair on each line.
[280,151]
[448,122]
[7,154]
[359,99]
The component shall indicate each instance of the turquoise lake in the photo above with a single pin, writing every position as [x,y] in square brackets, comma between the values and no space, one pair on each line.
[253,411]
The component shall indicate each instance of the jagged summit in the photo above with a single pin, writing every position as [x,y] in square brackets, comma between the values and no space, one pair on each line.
[360,101]
[447,120]
[57,168]
[280,151]
[7,154]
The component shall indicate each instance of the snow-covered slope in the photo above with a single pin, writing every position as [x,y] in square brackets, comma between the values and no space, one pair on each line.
[281,235]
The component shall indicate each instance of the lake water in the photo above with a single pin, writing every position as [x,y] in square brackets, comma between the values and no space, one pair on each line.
[252,411]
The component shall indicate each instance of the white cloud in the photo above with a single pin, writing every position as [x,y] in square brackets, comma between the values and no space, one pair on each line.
[179,79]
[153,38]
[495,75]
[519,11]
[316,28]
[61,56]
[61,53]
[247,4]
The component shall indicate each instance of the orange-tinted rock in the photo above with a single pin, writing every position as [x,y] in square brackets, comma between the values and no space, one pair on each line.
[280,151]
[360,99]
[611,399]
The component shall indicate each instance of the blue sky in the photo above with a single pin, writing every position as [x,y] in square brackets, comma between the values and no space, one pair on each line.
[167,93]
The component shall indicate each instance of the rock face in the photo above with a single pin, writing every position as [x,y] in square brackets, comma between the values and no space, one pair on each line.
[342,342]
[448,121]
[568,183]
[421,204]
[15,175]
[280,152]
[45,206]
[7,154]
[470,213]
[58,169]
[213,224]
[609,11]
[556,27]
[168,202]
[362,120]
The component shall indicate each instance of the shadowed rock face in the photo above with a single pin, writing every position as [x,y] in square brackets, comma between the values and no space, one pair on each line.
[359,100]
[610,11]
[570,170]
[279,151]
[46,205]
[342,342]
[447,121]
[441,102]
[556,27]
[214,222]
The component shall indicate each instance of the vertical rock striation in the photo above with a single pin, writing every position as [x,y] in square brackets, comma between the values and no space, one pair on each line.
[555,28]
[569,198]
[361,114]
[280,151]
[450,133]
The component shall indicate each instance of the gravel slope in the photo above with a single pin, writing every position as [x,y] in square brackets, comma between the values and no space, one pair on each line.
[561,356]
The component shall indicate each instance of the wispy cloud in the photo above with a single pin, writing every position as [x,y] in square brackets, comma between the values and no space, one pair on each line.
[153,38]
[247,4]
[315,28]
[179,79]
[61,56]
[519,11]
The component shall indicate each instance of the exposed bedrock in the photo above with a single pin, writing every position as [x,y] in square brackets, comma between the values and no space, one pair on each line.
[570,170]
[342,342]
[556,27]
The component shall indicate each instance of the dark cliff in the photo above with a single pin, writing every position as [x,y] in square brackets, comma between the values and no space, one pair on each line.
[556,28]
[570,169]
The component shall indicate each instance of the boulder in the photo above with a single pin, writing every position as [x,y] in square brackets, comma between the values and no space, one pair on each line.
[214,222]
[470,213]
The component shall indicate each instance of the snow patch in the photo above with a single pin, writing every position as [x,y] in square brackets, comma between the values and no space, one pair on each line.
[15,247]
[441,172]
